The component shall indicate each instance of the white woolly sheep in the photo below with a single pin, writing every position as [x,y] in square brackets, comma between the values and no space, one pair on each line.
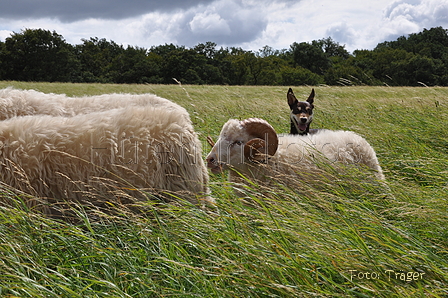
[122,150]
[245,147]
[14,102]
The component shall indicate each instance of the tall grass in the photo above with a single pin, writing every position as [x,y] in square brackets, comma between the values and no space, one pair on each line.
[333,235]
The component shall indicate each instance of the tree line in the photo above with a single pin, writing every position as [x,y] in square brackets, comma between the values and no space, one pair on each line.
[42,55]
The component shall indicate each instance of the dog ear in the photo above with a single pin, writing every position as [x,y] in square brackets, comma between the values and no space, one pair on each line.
[311,97]
[291,98]
[255,151]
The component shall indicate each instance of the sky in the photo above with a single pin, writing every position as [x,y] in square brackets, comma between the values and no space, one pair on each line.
[249,24]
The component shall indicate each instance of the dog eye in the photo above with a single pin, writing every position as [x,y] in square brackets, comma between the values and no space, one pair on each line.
[239,143]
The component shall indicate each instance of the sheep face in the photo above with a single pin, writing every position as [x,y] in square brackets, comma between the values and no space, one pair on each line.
[241,142]
[228,150]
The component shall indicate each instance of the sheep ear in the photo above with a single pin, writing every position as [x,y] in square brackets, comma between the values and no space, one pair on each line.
[311,97]
[291,98]
[255,150]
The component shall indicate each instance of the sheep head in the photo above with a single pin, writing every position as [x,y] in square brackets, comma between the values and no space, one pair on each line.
[249,141]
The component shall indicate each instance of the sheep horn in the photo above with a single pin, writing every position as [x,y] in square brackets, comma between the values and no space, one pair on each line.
[254,150]
[259,128]
[210,141]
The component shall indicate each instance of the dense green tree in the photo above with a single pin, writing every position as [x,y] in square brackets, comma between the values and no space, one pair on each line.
[268,51]
[132,66]
[431,43]
[208,49]
[96,56]
[272,67]
[331,48]
[2,66]
[310,56]
[426,60]
[296,76]
[238,72]
[347,74]
[38,55]
[319,55]
[222,62]
[212,71]
[179,63]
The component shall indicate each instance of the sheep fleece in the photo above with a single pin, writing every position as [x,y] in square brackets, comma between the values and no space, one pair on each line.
[139,146]
[15,102]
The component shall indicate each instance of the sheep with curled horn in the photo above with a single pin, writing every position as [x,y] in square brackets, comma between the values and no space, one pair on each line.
[252,147]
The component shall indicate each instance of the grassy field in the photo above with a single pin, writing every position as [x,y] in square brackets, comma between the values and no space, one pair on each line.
[337,237]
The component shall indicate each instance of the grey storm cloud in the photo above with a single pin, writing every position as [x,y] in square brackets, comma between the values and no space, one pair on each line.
[187,22]
[75,10]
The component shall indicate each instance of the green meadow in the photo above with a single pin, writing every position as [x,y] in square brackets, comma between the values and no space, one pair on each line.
[335,235]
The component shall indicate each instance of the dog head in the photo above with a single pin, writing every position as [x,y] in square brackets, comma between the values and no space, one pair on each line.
[301,111]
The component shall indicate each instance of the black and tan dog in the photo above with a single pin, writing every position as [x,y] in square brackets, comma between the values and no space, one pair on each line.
[301,114]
